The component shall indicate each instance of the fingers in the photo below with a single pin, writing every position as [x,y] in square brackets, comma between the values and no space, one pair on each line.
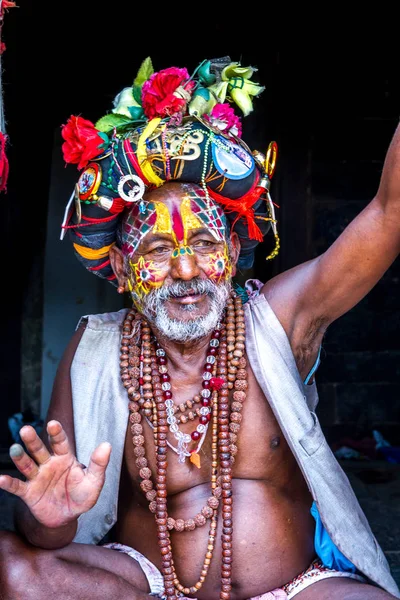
[58,438]
[99,460]
[12,485]
[23,461]
[34,445]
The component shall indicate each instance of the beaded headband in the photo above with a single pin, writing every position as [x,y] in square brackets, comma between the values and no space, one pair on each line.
[169,126]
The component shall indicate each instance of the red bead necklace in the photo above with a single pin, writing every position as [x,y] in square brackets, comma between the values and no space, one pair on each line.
[141,376]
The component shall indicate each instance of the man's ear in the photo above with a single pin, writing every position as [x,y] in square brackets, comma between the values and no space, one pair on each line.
[118,266]
[235,250]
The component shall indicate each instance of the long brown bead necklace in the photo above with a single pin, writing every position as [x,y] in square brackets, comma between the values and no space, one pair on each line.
[141,378]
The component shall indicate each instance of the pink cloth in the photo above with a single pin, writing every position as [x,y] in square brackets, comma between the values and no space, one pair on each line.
[277,594]
[315,572]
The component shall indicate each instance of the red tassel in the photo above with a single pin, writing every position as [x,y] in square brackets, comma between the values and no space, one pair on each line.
[118,206]
[244,207]
[4,167]
[216,383]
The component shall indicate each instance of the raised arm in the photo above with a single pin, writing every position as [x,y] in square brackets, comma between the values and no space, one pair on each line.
[315,293]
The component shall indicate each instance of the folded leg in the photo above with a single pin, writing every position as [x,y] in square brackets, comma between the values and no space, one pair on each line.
[77,571]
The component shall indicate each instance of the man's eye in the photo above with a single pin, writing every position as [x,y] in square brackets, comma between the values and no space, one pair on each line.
[203,244]
[160,250]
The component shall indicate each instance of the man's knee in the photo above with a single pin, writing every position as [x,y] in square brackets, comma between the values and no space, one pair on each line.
[18,565]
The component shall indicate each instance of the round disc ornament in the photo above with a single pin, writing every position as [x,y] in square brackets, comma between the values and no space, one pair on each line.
[89,181]
[232,160]
[131,188]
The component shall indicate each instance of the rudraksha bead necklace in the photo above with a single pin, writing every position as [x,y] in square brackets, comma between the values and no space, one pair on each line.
[141,377]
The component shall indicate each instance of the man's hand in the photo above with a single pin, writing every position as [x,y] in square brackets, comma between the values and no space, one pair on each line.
[57,488]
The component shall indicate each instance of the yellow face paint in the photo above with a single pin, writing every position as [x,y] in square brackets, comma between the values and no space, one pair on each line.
[163,222]
[219,266]
[189,219]
[175,216]
[178,224]
[146,277]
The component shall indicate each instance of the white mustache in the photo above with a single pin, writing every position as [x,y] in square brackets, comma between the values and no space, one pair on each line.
[153,307]
[180,289]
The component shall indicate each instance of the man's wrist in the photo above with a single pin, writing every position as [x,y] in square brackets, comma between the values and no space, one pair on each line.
[39,535]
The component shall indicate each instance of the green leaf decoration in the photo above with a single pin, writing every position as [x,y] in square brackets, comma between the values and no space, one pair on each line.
[145,71]
[204,74]
[110,121]
[105,139]
[136,112]
[137,94]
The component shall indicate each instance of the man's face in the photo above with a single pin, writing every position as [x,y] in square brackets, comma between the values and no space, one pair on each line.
[181,269]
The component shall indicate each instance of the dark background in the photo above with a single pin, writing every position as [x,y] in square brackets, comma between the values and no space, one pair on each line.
[332,104]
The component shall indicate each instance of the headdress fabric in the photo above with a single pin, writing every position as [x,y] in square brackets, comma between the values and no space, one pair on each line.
[168,126]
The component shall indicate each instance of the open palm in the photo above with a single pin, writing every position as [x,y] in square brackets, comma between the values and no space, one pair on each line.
[57,488]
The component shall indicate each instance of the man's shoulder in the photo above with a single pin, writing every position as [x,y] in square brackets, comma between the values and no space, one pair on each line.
[109,321]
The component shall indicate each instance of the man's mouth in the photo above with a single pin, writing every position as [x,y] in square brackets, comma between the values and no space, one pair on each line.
[189,298]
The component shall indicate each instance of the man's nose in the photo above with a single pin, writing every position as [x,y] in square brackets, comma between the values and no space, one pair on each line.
[185,267]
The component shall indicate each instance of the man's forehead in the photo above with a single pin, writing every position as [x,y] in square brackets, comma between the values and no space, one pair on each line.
[151,237]
[177,210]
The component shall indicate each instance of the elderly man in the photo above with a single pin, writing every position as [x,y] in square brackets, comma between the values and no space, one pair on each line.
[184,455]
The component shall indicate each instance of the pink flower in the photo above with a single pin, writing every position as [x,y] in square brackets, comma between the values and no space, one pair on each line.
[223,116]
[82,141]
[164,95]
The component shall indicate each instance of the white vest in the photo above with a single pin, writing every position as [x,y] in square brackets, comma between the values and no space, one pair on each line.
[101,414]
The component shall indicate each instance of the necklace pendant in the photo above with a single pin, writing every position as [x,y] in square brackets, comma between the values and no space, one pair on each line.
[195,459]
[182,449]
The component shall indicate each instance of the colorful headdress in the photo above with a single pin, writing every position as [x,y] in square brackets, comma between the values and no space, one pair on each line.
[169,126]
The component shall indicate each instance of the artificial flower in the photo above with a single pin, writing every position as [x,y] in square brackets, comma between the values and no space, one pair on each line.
[223,116]
[202,102]
[125,104]
[165,93]
[235,83]
[5,4]
[83,141]
[204,73]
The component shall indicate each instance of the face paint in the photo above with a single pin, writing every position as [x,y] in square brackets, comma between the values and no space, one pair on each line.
[146,277]
[175,218]
[218,267]
[196,214]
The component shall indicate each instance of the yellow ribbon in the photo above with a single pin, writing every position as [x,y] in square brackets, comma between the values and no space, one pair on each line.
[92,254]
[141,152]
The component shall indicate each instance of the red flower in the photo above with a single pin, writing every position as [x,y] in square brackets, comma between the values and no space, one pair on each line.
[4,5]
[164,95]
[3,162]
[82,141]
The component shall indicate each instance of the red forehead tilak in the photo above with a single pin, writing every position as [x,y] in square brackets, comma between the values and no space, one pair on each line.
[177,223]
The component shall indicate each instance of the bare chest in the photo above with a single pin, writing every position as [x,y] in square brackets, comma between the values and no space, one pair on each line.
[260,450]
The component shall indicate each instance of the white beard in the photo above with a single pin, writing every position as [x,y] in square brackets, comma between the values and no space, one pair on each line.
[153,308]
